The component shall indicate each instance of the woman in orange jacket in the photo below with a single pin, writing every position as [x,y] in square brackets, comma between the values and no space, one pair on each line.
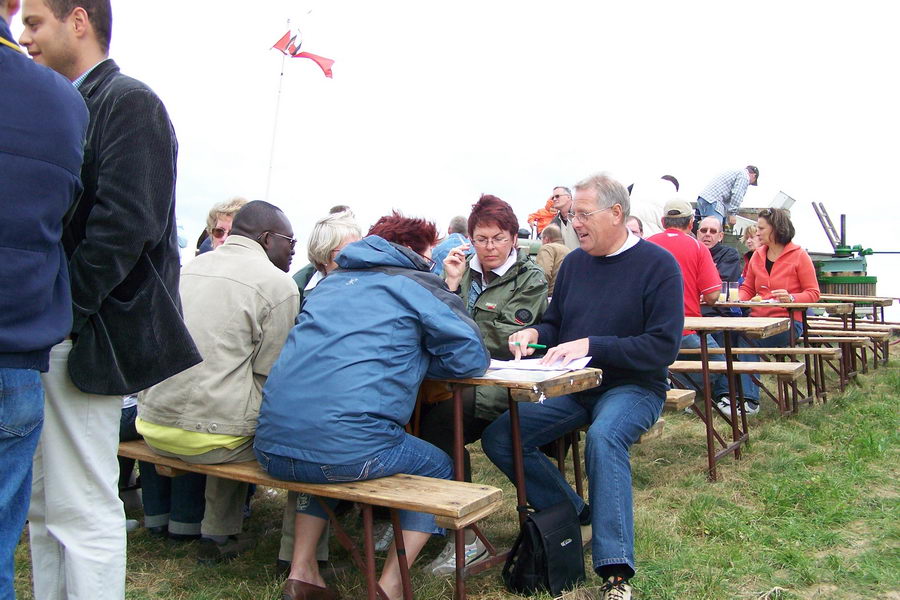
[781,271]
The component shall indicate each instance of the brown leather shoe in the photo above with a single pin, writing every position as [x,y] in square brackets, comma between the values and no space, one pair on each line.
[294,589]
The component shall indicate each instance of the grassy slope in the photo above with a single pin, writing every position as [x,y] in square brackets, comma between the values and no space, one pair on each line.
[812,511]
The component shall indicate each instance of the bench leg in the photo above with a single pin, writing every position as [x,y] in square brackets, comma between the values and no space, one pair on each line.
[401,556]
[576,466]
[372,587]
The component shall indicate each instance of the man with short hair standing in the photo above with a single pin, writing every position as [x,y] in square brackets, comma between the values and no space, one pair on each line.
[562,204]
[127,332]
[239,306]
[618,300]
[723,195]
[42,135]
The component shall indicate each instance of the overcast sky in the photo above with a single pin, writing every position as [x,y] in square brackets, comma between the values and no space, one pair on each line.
[435,103]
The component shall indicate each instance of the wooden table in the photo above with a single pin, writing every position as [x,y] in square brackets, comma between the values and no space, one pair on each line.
[814,375]
[517,391]
[752,327]
[877,303]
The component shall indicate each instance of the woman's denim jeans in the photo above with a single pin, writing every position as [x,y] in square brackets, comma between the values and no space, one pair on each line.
[411,456]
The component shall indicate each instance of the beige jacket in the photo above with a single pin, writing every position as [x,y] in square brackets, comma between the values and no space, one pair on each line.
[549,257]
[239,308]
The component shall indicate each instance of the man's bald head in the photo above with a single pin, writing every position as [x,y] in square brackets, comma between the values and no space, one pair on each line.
[710,232]
[256,217]
[266,224]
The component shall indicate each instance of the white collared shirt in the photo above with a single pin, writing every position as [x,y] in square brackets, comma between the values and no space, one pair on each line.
[630,242]
[475,264]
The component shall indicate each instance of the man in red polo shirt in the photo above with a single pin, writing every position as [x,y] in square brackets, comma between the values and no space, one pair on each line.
[701,278]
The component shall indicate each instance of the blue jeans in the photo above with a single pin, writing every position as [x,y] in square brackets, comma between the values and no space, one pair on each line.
[710,209]
[779,340]
[175,502]
[412,456]
[719,383]
[21,417]
[617,418]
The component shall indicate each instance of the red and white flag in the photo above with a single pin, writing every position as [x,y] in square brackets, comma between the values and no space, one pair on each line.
[289,45]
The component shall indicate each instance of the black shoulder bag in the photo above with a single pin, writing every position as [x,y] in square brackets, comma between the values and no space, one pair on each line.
[547,555]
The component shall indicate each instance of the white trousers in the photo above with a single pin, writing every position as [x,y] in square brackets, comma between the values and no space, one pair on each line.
[77,522]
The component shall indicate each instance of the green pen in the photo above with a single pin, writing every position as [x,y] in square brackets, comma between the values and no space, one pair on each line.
[537,346]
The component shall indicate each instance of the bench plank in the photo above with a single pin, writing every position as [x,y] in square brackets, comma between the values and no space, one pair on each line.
[828,352]
[873,335]
[788,370]
[439,497]
[679,399]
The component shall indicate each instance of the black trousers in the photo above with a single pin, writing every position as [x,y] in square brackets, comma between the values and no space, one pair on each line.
[436,426]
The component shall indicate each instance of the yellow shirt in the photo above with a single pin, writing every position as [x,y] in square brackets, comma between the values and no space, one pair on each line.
[188,443]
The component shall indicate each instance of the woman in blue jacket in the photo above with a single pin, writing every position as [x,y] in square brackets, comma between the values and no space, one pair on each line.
[337,400]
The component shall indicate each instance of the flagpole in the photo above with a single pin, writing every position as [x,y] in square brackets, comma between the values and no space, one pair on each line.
[275,124]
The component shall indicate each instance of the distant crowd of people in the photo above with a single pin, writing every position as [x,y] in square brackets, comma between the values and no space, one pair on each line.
[316,377]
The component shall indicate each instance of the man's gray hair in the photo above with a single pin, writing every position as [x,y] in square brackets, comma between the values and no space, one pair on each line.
[608,191]
[327,234]
[459,224]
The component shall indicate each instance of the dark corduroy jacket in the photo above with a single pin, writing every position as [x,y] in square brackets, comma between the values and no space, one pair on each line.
[122,245]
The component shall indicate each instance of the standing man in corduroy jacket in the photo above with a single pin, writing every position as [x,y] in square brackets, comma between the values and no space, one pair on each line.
[41,140]
[127,332]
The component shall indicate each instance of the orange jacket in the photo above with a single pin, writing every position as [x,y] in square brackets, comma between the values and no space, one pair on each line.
[793,271]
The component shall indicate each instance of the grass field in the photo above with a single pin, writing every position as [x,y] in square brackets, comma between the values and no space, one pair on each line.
[811,511]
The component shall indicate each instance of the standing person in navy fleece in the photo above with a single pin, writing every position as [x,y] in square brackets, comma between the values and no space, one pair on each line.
[618,299]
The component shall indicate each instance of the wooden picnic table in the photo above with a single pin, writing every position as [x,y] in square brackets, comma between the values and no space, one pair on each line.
[752,327]
[519,389]
[877,303]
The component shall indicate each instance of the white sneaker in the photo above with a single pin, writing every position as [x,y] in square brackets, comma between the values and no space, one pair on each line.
[384,536]
[615,588]
[724,405]
[445,563]
[751,407]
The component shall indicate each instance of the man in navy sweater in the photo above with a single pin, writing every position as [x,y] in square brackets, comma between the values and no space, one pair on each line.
[618,299]
[41,140]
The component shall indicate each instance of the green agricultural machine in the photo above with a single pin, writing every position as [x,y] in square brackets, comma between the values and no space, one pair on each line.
[844,270]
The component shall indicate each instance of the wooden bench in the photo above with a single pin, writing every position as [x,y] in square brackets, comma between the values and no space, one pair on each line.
[785,372]
[455,504]
[678,400]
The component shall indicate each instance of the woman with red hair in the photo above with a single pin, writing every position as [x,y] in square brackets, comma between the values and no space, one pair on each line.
[504,291]
[337,399]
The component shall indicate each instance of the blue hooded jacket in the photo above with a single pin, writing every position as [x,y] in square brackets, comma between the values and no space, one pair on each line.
[346,381]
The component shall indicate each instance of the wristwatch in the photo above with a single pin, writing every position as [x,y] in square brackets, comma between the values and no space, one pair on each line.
[791,296]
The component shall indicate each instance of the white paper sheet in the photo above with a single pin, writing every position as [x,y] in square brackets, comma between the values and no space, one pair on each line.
[533,364]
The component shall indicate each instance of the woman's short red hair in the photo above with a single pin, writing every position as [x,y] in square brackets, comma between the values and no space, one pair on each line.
[491,210]
[416,234]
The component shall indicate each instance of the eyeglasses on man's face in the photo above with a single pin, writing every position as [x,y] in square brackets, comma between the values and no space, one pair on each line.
[485,241]
[290,240]
[582,216]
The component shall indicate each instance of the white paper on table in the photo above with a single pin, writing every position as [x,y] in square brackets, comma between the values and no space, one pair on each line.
[522,375]
[533,364]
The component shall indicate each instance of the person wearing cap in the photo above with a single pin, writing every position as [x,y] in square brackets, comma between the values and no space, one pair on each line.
[698,272]
[723,195]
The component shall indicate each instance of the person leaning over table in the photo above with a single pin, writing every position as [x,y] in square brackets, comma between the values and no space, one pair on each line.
[779,270]
[351,367]
[503,290]
[329,236]
[618,299]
